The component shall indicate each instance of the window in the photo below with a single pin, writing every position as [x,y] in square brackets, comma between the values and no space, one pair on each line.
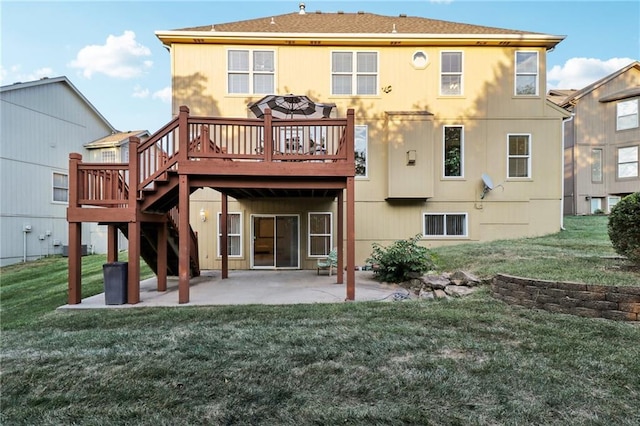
[451,73]
[320,227]
[612,201]
[445,225]
[234,234]
[628,162]
[60,188]
[596,165]
[519,156]
[527,73]
[453,151]
[627,115]
[108,156]
[251,71]
[361,142]
[364,81]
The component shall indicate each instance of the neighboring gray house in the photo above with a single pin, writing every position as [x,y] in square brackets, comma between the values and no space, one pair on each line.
[601,141]
[41,123]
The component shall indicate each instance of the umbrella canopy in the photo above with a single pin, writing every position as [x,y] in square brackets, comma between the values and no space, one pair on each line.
[291,106]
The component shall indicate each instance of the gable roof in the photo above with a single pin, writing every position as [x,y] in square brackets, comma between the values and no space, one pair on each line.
[116,139]
[342,25]
[569,100]
[55,80]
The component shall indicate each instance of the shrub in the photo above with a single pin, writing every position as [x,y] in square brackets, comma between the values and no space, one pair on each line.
[401,260]
[624,227]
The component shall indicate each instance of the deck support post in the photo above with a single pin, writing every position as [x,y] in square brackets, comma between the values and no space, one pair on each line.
[133,278]
[161,274]
[351,237]
[224,251]
[184,239]
[75,263]
[112,243]
[340,245]
[75,234]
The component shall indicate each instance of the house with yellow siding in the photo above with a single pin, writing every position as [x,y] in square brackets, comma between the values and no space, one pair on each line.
[438,106]
[297,134]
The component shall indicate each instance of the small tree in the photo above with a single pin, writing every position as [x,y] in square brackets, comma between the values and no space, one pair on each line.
[624,227]
[399,261]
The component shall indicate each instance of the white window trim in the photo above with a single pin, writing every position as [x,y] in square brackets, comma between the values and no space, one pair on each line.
[309,234]
[219,217]
[366,156]
[53,187]
[445,214]
[444,128]
[251,72]
[461,73]
[354,73]
[529,171]
[636,124]
[516,73]
[636,162]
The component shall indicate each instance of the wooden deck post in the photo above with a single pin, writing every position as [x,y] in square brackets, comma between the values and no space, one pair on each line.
[75,234]
[351,237]
[133,273]
[112,243]
[340,244]
[224,251]
[268,136]
[134,231]
[161,275]
[184,239]
[351,216]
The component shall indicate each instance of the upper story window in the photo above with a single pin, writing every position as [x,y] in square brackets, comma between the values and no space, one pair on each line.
[627,114]
[251,71]
[453,151]
[354,73]
[108,156]
[361,144]
[60,188]
[519,157]
[628,162]
[526,73]
[451,73]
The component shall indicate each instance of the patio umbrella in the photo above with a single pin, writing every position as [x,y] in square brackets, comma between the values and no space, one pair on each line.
[291,106]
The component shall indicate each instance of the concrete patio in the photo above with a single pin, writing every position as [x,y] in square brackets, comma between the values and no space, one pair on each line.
[254,287]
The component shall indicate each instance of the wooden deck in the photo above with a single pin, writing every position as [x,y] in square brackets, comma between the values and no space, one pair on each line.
[240,158]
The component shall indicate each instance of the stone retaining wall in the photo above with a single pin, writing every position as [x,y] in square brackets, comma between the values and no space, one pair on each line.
[596,301]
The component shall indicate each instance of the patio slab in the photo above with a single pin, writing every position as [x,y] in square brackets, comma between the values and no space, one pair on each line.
[254,287]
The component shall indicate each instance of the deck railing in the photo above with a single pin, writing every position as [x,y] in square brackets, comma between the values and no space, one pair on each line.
[228,139]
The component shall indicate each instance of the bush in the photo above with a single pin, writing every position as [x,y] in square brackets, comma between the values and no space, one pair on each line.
[401,261]
[624,227]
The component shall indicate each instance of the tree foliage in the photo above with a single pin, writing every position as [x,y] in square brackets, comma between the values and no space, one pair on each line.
[624,227]
[401,260]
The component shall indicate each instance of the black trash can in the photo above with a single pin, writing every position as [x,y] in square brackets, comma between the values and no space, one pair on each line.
[115,282]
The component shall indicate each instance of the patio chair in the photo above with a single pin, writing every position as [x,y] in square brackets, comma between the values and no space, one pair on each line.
[330,262]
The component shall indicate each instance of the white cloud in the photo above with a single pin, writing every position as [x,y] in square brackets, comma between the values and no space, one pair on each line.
[139,92]
[164,95]
[120,57]
[577,73]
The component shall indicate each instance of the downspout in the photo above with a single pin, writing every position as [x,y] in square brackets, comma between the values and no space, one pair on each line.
[564,123]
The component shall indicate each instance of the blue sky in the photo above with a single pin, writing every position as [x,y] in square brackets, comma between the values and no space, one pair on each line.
[109,51]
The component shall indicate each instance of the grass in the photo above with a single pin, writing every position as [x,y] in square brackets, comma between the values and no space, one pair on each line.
[471,361]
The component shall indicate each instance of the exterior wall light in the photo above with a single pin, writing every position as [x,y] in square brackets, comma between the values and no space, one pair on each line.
[203,215]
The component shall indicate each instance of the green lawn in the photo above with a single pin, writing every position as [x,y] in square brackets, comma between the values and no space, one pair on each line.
[469,361]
